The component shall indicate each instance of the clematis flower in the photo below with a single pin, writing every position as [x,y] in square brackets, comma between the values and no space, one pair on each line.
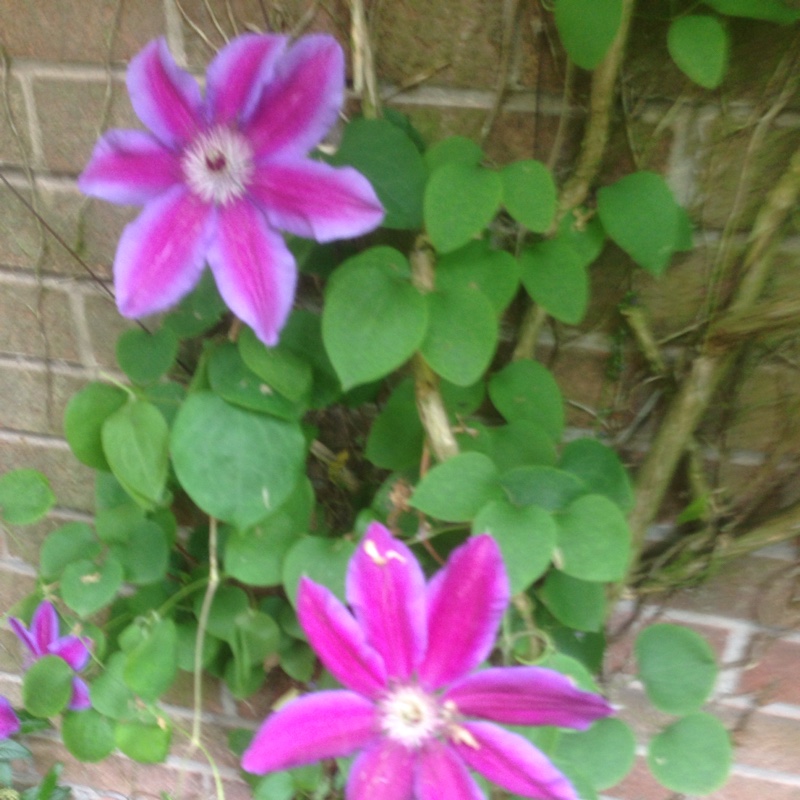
[219,176]
[43,639]
[414,706]
[9,722]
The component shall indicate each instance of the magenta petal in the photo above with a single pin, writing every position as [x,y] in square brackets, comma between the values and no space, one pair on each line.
[44,627]
[441,775]
[255,272]
[80,696]
[129,167]
[321,725]
[23,634]
[301,104]
[512,762]
[9,721]
[311,199]
[385,771]
[165,98]
[74,650]
[339,641]
[386,589]
[160,254]
[237,74]
[527,696]
[466,600]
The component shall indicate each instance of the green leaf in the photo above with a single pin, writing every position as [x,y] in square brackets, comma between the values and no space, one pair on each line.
[458,488]
[552,489]
[600,469]
[453,150]
[233,381]
[298,661]
[526,537]
[584,235]
[199,311]
[229,602]
[520,443]
[83,421]
[187,640]
[145,554]
[699,45]
[587,28]
[25,496]
[527,390]
[476,265]
[676,666]
[11,751]
[284,372]
[275,786]
[115,525]
[605,753]
[691,756]
[74,541]
[640,214]
[554,276]
[323,560]
[135,439]
[374,319]
[236,465]
[254,636]
[151,666]
[461,401]
[108,691]
[89,736]
[396,436]
[145,742]
[143,356]
[47,686]
[391,162]
[87,587]
[594,539]
[462,334]
[579,604]
[770,10]
[529,194]
[460,201]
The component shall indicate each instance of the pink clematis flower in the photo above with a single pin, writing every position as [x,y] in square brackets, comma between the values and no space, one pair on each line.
[220,175]
[43,639]
[9,721]
[407,656]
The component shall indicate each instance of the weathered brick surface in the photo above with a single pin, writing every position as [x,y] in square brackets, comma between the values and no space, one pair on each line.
[20,239]
[105,324]
[14,128]
[773,676]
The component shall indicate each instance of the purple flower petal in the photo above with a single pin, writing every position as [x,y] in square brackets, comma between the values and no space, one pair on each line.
[165,98]
[44,627]
[441,775]
[302,103]
[311,199]
[385,771]
[9,721]
[129,167]
[255,272]
[160,254]
[466,600]
[80,700]
[23,634]
[386,589]
[527,696]
[322,725]
[73,649]
[236,76]
[339,641]
[512,762]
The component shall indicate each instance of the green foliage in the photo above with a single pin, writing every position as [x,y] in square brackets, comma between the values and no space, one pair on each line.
[47,687]
[143,356]
[699,45]
[25,496]
[587,28]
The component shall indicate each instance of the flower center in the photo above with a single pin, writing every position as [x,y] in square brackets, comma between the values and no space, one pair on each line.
[218,165]
[410,716]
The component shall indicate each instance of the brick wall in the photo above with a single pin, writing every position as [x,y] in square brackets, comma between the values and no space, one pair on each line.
[62,82]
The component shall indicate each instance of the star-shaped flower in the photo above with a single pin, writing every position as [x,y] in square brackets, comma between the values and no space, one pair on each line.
[220,175]
[413,706]
[43,639]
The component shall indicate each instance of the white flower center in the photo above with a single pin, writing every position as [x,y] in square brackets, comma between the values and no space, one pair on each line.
[410,716]
[218,165]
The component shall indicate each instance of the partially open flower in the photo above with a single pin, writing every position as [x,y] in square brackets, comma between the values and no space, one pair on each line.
[9,722]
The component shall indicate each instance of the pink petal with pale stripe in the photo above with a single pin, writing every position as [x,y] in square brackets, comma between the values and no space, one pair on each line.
[160,254]
[466,600]
[9,721]
[165,98]
[441,775]
[129,167]
[385,771]
[321,725]
[301,104]
[512,762]
[311,199]
[44,627]
[254,270]
[386,590]
[74,650]
[237,75]
[23,634]
[339,641]
[527,696]
[80,699]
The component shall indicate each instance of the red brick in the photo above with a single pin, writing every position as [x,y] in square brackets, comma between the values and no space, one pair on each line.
[769,742]
[639,785]
[739,787]
[773,678]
